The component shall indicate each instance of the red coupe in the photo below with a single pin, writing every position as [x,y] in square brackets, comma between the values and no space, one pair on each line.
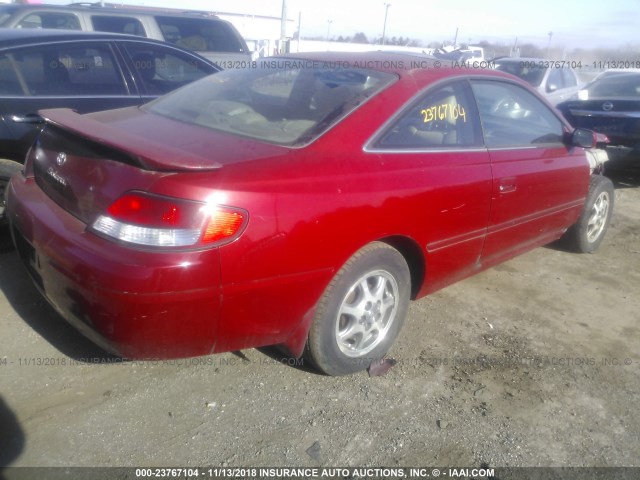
[300,203]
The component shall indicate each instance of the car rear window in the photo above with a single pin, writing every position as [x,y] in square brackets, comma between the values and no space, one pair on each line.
[526,70]
[616,86]
[200,34]
[286,106]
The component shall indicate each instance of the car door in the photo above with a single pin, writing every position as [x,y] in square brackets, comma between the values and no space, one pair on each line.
[435,145]
[84,76]
[539,183]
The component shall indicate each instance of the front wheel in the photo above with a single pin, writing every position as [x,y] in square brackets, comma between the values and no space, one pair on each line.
[587,234]
[361,312]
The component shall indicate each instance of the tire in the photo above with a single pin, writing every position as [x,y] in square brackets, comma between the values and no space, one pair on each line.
[7,169]
[361,312]
[587,234]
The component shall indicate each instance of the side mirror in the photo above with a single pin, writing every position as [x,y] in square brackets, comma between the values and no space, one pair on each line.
[552,87]
[584,138]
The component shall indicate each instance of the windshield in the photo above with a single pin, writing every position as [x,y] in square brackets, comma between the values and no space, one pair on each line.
[286,106]
[620,85]
[526,70]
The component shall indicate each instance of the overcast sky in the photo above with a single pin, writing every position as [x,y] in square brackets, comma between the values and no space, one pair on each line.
[574,23]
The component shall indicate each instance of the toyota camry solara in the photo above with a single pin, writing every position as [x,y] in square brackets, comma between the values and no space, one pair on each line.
[301,203]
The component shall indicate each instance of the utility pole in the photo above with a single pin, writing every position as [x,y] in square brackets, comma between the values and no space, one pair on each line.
[384,26]
[283,28]
[299,28]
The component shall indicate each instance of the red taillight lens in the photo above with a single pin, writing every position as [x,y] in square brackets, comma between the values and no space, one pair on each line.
[138,209]
[158,221]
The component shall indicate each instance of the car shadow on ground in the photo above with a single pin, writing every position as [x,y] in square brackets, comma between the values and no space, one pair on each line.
[278,356]
[12,438]
[30,305]
[5,240]
[624,178]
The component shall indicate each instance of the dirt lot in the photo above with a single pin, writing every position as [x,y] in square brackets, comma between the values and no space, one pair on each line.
[533,363]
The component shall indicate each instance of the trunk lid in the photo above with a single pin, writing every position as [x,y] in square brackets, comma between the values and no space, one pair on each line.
[85,162]
[82,176]
[143,152]
[618,119]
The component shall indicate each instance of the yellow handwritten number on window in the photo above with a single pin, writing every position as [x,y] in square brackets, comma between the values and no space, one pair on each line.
[443,112]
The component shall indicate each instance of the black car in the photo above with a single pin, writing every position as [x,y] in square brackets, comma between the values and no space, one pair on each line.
[610,105]
[84,71]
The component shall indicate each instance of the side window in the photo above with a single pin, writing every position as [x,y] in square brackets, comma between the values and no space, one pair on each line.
[163,69]
[569,78]
[117,24]
[513,116]
[9,81]
[554,82]
[64,21]
[69,70]
[445,117]
[200,34]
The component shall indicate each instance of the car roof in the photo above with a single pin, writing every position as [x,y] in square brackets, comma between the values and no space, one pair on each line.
[10,37]
[112,9]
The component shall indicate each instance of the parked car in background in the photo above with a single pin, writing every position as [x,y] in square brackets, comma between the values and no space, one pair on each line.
[555,80]
[610,105]
[210,36]
[84,71]
[299,207]
[615,71]
[460,54]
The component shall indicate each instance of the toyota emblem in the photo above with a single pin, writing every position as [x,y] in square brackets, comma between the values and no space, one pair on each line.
[606,106]
[61,158]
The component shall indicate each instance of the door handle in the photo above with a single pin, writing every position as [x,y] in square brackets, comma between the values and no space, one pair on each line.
[507,185]
[32,118]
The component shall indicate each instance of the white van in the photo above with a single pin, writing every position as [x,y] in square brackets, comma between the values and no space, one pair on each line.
[201,32]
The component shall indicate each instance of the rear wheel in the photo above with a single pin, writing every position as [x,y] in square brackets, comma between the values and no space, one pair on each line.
[587,234]
[361,311]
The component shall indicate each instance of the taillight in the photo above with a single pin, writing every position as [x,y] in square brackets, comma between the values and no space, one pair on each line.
[151,220]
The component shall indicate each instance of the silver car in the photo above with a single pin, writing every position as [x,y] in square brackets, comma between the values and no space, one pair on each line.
[557,81]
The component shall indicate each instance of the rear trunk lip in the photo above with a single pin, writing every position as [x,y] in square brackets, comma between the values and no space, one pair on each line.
[152,156]
[607,114]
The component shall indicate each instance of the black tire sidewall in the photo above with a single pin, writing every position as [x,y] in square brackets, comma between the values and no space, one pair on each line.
[322,348]
[598,185]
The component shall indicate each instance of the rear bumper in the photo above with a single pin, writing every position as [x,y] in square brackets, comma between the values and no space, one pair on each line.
[134,303]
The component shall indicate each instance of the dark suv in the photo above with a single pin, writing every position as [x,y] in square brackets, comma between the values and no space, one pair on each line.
[84,71]
[201,32]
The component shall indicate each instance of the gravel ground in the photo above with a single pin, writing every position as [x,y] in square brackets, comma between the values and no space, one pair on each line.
[533,363]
